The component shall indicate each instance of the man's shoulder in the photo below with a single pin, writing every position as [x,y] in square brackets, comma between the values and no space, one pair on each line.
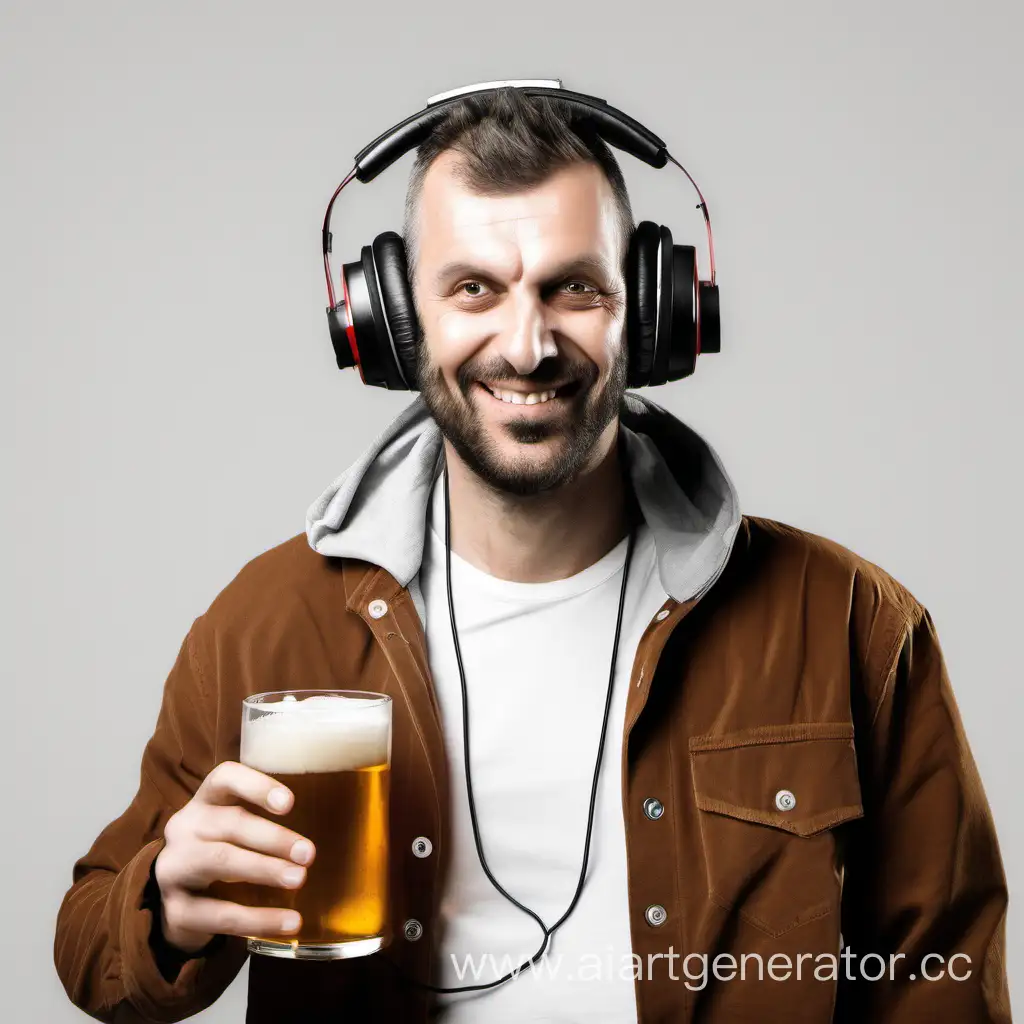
[288,580]
[799,555]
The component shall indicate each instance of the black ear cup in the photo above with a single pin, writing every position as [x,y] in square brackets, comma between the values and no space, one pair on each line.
[376,356]
[663,299]
[683,354]
[400,323]
[381,320]
[671,316]
[641,302]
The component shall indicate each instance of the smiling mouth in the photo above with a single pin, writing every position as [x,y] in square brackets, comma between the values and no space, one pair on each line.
[540,397]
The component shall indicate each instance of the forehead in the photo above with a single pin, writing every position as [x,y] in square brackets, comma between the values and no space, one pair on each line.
[572,212]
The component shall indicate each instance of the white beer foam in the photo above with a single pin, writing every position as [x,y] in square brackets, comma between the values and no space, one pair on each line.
[319,734]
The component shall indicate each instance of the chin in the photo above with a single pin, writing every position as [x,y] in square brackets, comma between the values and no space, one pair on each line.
[525,469]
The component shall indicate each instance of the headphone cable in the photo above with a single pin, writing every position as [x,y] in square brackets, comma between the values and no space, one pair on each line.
[632,516]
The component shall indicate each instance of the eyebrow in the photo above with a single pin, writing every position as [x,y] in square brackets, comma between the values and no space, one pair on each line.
[576,265]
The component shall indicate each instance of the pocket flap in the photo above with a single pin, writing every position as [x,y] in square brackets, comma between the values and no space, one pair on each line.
[798,777]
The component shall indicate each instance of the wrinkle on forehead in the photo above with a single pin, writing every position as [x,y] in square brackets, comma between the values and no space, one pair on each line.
[531,205]
[538,204]
[512,219]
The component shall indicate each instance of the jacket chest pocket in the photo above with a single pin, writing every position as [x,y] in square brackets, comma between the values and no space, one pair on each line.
[769,798]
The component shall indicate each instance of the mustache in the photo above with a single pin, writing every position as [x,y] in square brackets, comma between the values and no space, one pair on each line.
[548,372]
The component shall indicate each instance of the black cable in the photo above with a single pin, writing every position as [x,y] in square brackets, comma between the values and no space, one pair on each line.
[632,516]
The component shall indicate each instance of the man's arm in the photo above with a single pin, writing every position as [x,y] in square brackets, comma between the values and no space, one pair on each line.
[923,872]
[108,949]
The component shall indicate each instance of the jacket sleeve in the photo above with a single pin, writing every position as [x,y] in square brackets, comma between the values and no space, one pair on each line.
[108,957]
[923,874]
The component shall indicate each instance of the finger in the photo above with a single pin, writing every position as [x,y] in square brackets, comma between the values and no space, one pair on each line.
[223,862]
[222,917]
[241,827]
[231,781]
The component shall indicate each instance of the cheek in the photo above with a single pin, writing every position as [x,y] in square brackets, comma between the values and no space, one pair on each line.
[455,327]
[597,334]
[452,337]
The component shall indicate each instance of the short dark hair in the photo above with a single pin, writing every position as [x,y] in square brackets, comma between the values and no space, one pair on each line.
[510,141]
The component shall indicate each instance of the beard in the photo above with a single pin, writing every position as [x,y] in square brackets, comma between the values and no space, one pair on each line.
[576,432]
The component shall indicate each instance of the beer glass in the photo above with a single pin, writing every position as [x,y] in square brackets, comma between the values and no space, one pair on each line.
[332,749]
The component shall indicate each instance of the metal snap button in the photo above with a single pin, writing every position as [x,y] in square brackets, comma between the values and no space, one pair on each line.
[377,608]
[662,615]
[655,915]
[422,846]
[412,929]
[784,800]
[653,808]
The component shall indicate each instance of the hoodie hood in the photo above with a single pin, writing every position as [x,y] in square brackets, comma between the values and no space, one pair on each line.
[377,509]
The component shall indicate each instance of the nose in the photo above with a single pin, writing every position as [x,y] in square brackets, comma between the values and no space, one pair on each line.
[527,339]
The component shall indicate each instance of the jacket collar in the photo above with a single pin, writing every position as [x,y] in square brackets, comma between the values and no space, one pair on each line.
[376,510]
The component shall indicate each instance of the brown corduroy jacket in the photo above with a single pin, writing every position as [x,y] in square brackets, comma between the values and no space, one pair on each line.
[805,668]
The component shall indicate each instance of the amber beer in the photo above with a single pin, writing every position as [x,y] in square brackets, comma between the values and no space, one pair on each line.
[332,749]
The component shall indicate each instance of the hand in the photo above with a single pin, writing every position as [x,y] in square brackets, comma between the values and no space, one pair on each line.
[213,838]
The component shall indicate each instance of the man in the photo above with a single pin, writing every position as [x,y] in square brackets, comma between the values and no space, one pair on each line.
[784,770]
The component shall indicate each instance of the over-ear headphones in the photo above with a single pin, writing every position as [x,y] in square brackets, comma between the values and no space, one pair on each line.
[671,315]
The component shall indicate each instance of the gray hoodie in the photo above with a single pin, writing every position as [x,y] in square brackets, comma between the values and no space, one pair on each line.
[377,509]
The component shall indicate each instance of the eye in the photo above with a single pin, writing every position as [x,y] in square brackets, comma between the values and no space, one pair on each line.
[576,294]
[472,289]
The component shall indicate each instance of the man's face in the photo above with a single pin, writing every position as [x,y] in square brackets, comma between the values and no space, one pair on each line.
[521,295]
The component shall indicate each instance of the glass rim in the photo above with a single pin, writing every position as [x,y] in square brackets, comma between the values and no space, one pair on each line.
[258,700]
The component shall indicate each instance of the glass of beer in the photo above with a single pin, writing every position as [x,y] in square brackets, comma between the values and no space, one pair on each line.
[332,749]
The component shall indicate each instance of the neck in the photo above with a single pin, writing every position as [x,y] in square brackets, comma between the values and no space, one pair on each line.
[541,537]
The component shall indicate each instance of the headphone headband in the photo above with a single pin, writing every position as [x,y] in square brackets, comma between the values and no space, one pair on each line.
[615,127]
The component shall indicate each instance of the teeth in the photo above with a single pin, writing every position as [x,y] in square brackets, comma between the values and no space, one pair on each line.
[516,398]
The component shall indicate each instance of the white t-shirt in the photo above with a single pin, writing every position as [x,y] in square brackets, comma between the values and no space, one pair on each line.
[536,658]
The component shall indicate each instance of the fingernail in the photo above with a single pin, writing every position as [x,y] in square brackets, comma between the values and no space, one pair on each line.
[302,852]
[292,876]
[290,922]
[278,799]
